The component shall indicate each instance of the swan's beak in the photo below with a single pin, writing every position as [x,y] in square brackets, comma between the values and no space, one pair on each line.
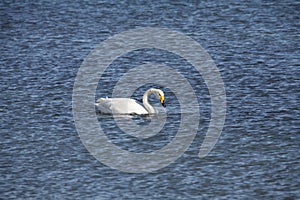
[162,101]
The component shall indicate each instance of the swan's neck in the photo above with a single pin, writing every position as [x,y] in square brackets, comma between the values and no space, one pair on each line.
[147,106]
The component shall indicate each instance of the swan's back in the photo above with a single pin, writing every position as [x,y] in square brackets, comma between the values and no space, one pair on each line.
[120,106]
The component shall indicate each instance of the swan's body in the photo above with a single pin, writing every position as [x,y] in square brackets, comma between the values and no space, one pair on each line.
[129,106]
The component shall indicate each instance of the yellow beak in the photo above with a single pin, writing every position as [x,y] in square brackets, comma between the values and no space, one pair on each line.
[162,100]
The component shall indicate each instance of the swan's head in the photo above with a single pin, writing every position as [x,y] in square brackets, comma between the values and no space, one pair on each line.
[160,95]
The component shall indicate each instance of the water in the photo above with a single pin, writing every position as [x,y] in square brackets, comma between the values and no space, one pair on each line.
[256,48]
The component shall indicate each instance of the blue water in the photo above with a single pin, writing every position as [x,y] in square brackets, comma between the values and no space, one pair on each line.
[255,45]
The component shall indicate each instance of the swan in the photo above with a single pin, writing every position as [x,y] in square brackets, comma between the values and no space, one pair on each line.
[128,105]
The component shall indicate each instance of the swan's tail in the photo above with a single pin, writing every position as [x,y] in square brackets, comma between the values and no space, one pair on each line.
[100,100]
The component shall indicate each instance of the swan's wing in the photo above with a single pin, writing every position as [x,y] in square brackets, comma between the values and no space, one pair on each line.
[120,106]
[134,107]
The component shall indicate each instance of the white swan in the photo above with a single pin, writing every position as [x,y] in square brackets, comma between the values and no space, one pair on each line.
[129,106]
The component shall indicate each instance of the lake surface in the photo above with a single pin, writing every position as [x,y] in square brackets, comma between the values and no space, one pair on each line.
[255,46]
